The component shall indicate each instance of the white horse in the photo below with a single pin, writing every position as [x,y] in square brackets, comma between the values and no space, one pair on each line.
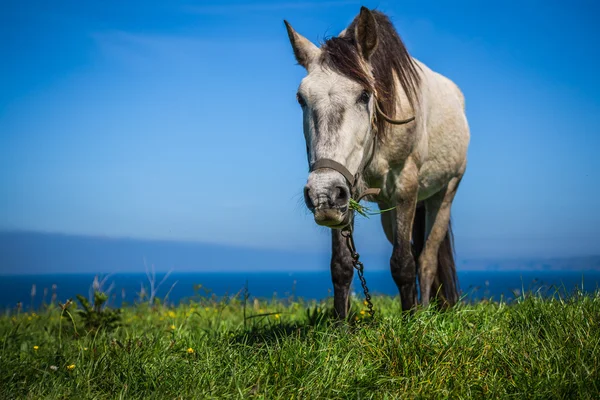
[355,87]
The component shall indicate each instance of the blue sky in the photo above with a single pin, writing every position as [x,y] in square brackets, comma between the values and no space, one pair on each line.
[178,120]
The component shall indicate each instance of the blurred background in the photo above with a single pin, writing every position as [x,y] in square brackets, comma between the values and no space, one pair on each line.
[167,134]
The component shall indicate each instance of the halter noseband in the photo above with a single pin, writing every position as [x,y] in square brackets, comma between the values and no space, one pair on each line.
[352,180]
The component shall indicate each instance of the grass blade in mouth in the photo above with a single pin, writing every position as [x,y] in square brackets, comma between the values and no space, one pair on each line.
[363,210]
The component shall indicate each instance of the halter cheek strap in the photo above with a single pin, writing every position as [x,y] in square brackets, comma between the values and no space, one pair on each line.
[390,120]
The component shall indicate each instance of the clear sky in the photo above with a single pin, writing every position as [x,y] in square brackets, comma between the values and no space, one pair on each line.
[178,120]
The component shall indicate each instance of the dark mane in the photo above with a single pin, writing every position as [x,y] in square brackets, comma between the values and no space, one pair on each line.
[390,57]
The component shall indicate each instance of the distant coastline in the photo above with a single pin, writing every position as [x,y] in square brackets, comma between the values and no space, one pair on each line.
[583,263]
[24,253]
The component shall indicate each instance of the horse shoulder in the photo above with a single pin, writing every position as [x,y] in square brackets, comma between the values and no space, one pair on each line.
[445,136]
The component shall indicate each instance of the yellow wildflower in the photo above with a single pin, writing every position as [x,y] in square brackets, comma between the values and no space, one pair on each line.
[276,316]
[71,367]
[36,348]
[172,314]
[173,327]
[190,350]
[85,348]
[365,303]
[362,312]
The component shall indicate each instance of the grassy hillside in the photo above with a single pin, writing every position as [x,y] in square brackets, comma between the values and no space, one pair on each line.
[533,348]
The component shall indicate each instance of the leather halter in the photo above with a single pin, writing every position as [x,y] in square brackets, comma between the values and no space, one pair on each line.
[324,163]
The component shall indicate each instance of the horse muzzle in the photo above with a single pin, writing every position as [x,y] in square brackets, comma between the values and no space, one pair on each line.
[327,198]
[332,217]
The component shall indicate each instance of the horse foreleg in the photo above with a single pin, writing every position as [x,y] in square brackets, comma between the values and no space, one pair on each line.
[437,220]
[342,272]
[402,262]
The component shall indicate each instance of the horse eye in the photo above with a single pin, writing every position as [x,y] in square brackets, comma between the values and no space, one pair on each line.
[300,100]
[364,97]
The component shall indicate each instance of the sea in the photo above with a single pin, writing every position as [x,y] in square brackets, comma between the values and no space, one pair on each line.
[32,291]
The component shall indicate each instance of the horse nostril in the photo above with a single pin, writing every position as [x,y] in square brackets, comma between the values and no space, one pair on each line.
[341,195]
[307,199]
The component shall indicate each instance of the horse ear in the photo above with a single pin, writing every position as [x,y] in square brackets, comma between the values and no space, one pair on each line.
[304,50]
[366,33]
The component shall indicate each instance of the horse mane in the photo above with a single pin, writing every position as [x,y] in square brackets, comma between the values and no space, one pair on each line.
[389,59]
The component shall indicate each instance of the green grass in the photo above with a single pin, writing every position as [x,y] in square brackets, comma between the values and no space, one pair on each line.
[532,348]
